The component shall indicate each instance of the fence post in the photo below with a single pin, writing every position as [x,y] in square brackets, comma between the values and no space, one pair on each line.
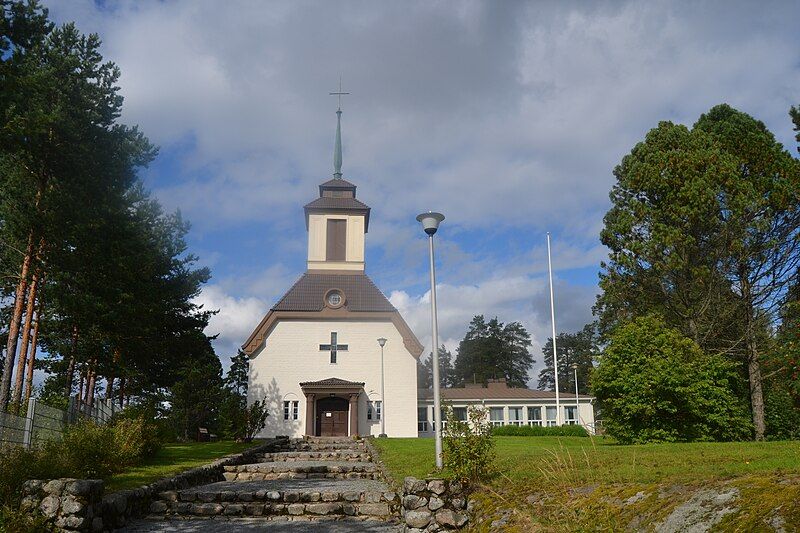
[27,435]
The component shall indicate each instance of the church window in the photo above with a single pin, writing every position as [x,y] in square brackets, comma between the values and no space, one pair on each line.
[374,410]
[336,240]
[291,410]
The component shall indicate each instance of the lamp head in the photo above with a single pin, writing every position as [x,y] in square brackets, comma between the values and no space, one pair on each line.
[430,221]
[382,342]
[574,366]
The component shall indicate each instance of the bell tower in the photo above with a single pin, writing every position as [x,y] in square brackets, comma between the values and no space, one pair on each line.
[337,222]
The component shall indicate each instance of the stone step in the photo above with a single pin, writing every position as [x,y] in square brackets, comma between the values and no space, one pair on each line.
[330,455]
[333,440]
[329,446]
[302,470]
[367,498]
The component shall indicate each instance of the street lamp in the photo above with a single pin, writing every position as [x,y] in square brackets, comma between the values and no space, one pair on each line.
[574,367]
[382,342]
[430,223]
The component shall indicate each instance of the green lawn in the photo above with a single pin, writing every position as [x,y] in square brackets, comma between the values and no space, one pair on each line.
[172,459]
[582,484]
[580,460]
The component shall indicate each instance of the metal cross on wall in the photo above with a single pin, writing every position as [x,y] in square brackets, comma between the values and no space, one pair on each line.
[333,347]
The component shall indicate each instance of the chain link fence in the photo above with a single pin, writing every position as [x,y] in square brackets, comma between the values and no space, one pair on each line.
[42,423]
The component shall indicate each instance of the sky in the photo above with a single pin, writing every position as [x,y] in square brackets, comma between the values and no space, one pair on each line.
[508,117]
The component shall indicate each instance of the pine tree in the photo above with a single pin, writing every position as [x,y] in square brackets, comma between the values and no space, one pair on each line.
[494,350]
[573,348]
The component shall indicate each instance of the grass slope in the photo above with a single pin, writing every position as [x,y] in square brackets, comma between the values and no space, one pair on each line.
[172,459]
[578,484]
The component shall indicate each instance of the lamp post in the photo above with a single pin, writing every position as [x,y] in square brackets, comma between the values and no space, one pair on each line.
[574,367]
[553,322]
[382,342]
[430,223]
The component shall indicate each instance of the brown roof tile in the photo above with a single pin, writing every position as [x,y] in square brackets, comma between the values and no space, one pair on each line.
[308,293]
[326,202]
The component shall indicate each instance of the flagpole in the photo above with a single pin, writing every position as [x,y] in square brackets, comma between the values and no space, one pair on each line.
[553,321]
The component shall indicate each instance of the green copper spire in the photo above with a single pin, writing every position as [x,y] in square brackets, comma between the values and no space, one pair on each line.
[337,148]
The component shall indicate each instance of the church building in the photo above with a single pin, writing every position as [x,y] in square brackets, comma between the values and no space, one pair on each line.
[316,355]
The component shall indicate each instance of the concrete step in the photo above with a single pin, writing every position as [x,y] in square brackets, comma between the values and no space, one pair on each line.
[329,455]
[300,497]
[302,470]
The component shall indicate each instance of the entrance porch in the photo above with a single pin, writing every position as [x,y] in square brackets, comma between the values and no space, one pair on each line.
[332,407]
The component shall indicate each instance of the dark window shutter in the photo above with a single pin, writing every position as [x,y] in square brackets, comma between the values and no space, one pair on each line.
[336,240]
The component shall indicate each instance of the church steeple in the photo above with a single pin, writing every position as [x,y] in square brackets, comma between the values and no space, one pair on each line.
[336,221]
[337,148]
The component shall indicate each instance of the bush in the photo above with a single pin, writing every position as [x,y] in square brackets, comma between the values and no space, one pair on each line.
[14,520]
[134,439]
[539,431]
[655,385]
[468,446]
[782,416]
[87,450]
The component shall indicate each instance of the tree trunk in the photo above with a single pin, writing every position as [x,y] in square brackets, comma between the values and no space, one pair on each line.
[80,390]
[756,391]
[32,356]
[111,378]
[753,364]
[23,349]
[71,366]
[122,382]
[13,328]
[92,383]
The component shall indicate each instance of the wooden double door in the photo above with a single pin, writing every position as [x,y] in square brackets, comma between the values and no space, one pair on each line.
[332,414]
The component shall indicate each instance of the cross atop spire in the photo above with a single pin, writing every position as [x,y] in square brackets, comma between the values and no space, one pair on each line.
[337,148]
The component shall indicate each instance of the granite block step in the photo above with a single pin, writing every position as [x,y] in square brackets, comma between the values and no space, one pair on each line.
[367,498]
[301,470]
[330,455]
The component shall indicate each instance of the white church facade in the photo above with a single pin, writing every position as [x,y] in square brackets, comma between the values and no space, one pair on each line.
[315,357]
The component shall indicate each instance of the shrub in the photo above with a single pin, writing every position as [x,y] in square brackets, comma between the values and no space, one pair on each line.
[134,439]
[468,445]
[255,418]
[655,385]
[87,450]
[539,431]
[18,465]
[781,414]
[13,520]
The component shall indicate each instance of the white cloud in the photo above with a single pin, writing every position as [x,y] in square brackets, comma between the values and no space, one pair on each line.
[507,117]
[522,298]
[236,319]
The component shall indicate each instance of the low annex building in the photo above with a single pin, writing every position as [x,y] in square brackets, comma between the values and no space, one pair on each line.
[507,406]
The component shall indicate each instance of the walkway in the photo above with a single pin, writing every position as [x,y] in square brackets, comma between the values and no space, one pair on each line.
[323,484]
